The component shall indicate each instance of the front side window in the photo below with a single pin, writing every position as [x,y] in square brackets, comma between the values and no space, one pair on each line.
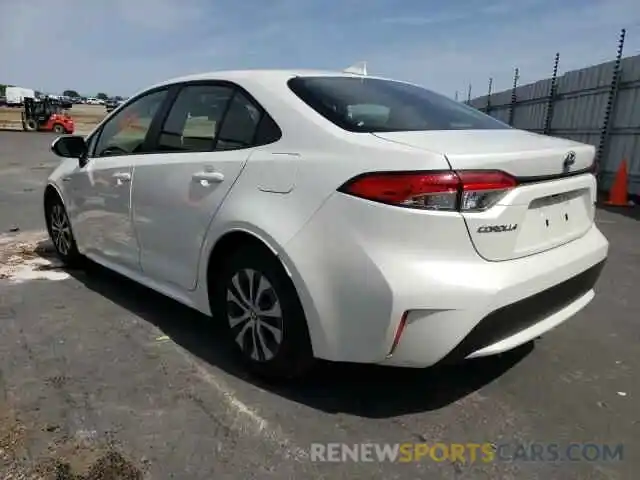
[376,105]
[126,131]
[194,119]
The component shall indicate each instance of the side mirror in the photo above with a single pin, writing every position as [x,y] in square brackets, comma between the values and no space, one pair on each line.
[70,146]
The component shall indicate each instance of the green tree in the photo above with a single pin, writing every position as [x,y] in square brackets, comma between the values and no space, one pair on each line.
[3,89]
[102,96]
[70,93]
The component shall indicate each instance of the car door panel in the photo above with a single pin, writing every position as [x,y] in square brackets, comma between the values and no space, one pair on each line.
[202,145]
[100,187]
[175,197]
[102,215]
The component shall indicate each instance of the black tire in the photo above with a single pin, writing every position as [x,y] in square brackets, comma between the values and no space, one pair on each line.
[293,357]
[58,128]
[57,224]
[30,125]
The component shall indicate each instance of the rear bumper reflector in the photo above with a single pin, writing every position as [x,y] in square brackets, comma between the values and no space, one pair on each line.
[398,335]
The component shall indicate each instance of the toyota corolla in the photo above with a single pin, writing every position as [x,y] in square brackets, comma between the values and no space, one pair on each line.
[324,215]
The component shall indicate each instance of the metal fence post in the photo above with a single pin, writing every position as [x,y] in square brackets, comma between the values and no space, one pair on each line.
[487,109]
[512,106]
[605,132]
[552,96]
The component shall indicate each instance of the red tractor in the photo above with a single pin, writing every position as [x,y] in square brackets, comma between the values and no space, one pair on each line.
[46,115]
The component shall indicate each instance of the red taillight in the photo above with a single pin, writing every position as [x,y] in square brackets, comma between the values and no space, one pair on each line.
[464,190]
[482,190]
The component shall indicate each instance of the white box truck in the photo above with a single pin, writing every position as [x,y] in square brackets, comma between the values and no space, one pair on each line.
[16,95]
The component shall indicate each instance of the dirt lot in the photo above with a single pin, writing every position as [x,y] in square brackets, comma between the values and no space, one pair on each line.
[102,379]
[85,116]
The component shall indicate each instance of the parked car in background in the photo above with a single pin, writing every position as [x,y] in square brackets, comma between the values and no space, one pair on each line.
[112,104]
[66,103]
[333,215]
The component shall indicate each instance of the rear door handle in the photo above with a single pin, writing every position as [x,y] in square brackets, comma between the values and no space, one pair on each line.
[211,177]
[122,177]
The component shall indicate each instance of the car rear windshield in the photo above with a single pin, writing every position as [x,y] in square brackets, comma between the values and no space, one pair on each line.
[377,105]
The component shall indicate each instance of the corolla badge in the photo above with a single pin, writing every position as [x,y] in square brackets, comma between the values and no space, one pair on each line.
[569,160]
[497,228]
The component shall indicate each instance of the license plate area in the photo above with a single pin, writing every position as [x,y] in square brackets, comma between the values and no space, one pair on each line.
[562,216]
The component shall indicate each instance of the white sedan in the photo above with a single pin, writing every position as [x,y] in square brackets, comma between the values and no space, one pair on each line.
[333,215]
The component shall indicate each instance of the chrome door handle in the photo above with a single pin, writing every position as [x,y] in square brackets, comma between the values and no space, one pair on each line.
[122,177]
[211,177]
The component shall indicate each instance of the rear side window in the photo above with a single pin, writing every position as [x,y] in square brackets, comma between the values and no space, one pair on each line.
[194,119]
[268,131]
[246,125]
[207,118]
[376,105]
[239,125]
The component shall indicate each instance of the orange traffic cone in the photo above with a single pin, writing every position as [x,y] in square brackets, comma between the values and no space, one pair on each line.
[618,196]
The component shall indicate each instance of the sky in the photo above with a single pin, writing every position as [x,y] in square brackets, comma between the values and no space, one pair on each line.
[122,46]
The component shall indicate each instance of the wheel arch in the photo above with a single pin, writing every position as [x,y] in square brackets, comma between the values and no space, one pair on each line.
[52,190]
[72,256]
[238,237]
[49,191]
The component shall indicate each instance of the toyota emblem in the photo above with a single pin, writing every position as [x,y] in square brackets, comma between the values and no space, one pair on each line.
[569,160]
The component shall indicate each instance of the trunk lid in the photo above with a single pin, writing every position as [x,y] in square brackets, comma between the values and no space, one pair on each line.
[517,152]
[553,204]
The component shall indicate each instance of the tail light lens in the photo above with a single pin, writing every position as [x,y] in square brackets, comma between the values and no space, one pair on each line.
[464,190]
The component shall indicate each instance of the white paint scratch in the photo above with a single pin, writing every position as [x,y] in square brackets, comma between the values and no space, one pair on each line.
[25,257]
[33,236]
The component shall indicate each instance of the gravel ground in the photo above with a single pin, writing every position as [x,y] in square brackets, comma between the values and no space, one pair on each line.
[102,379]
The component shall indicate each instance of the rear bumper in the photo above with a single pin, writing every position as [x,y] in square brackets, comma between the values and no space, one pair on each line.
[355,283]
[519,322]
[537,294]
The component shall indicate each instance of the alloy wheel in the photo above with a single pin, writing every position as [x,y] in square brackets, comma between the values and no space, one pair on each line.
[60,229]
[254,315]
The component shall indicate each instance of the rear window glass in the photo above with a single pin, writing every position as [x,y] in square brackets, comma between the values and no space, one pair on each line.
[377,105]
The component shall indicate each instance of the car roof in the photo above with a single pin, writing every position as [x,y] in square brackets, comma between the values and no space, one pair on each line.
[263,76]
